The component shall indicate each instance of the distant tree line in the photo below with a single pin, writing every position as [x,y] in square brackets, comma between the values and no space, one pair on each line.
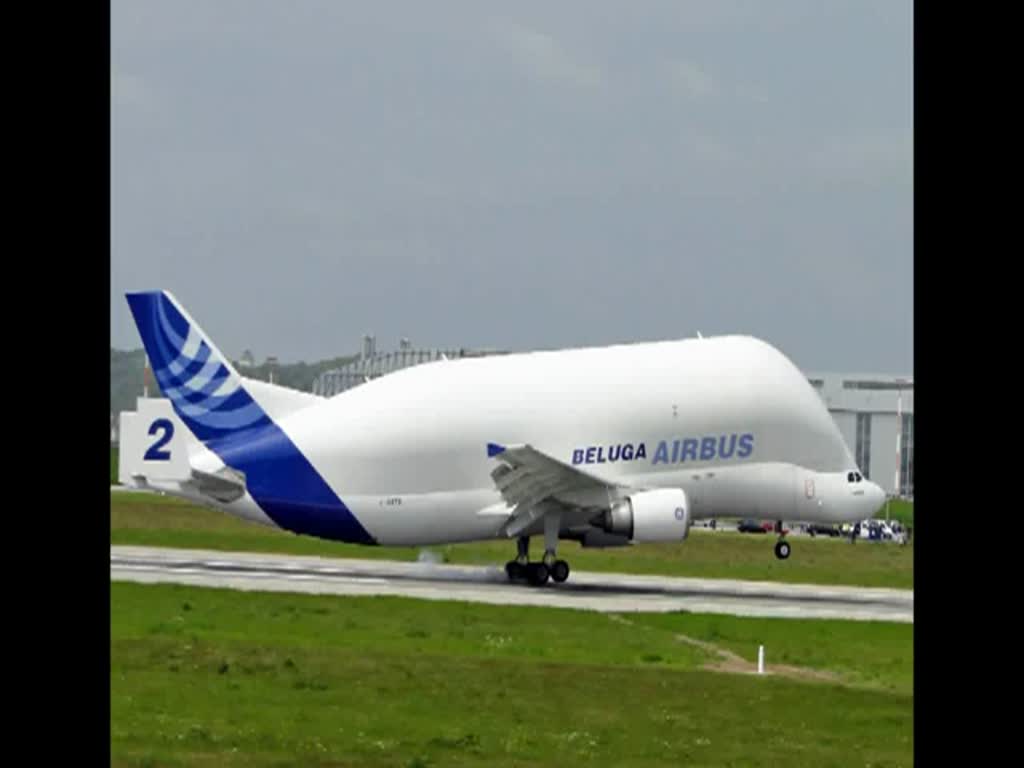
[126,375]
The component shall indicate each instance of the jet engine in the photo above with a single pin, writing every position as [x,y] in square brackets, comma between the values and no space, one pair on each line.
[662,514]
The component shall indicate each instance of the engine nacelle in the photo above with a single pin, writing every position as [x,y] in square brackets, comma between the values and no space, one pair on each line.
[662,514]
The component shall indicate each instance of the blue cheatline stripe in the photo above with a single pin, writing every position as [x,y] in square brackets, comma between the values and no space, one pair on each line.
[280,479]
[288,488]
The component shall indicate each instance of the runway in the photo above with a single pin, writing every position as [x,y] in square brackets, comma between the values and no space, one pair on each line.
[609,592]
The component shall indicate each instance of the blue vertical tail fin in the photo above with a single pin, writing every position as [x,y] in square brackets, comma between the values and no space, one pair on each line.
[215,403]
[204,388]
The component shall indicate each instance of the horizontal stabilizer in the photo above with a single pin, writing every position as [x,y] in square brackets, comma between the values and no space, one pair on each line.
[226,485]
[157,452]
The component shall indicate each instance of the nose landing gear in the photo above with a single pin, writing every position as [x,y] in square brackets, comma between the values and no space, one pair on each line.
[782,548]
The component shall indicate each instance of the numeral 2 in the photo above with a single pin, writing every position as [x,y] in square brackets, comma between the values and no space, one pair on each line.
[155,453]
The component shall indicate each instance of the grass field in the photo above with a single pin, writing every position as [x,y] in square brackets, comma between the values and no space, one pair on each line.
[212,677]
[150,520]
[900,510]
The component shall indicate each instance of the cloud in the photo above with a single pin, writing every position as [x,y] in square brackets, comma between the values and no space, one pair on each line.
[375,170]
[545,57]
[865,159]
[690,78]
[132,91]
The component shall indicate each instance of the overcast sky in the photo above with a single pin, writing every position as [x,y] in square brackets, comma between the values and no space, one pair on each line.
[518,175]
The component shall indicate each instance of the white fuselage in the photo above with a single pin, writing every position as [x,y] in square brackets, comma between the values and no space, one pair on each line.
[729,419]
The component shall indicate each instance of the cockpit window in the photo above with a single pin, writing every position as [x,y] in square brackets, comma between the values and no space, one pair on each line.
[859,478]
[849,477]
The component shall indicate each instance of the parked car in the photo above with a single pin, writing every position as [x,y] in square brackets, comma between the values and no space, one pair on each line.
[816,529]
[750,526]
[874,530]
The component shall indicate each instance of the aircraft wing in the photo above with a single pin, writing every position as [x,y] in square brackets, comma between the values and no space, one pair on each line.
[534,484]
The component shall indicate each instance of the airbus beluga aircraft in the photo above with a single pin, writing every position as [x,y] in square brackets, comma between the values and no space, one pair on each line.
[604,446]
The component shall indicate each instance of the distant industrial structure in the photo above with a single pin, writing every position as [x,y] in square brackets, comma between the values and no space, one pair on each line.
[875,414]
[371,365]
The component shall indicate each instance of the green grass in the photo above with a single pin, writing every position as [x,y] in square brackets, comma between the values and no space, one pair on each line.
[848,648]
[900,510]
[213,677]
[150,520]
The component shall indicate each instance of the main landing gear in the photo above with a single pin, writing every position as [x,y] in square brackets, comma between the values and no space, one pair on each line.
[782,548]
[536,574]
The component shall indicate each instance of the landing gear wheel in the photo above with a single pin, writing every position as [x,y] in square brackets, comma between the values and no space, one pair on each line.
[538,574]
[782,549]
[514,570]
[560,571]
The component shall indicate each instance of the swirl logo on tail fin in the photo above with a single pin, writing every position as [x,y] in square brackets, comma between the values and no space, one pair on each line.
[201,384]
[210,398]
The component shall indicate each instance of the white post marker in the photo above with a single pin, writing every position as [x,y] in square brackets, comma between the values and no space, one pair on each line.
[760,659]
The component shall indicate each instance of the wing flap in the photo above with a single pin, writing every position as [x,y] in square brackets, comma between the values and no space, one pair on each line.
[534,484]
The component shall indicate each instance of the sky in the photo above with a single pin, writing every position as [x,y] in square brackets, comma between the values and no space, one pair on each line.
[528,175]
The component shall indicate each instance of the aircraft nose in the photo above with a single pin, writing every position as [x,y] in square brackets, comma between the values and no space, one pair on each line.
[876,496]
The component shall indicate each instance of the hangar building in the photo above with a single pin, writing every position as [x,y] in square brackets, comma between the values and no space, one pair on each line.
[872,411]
